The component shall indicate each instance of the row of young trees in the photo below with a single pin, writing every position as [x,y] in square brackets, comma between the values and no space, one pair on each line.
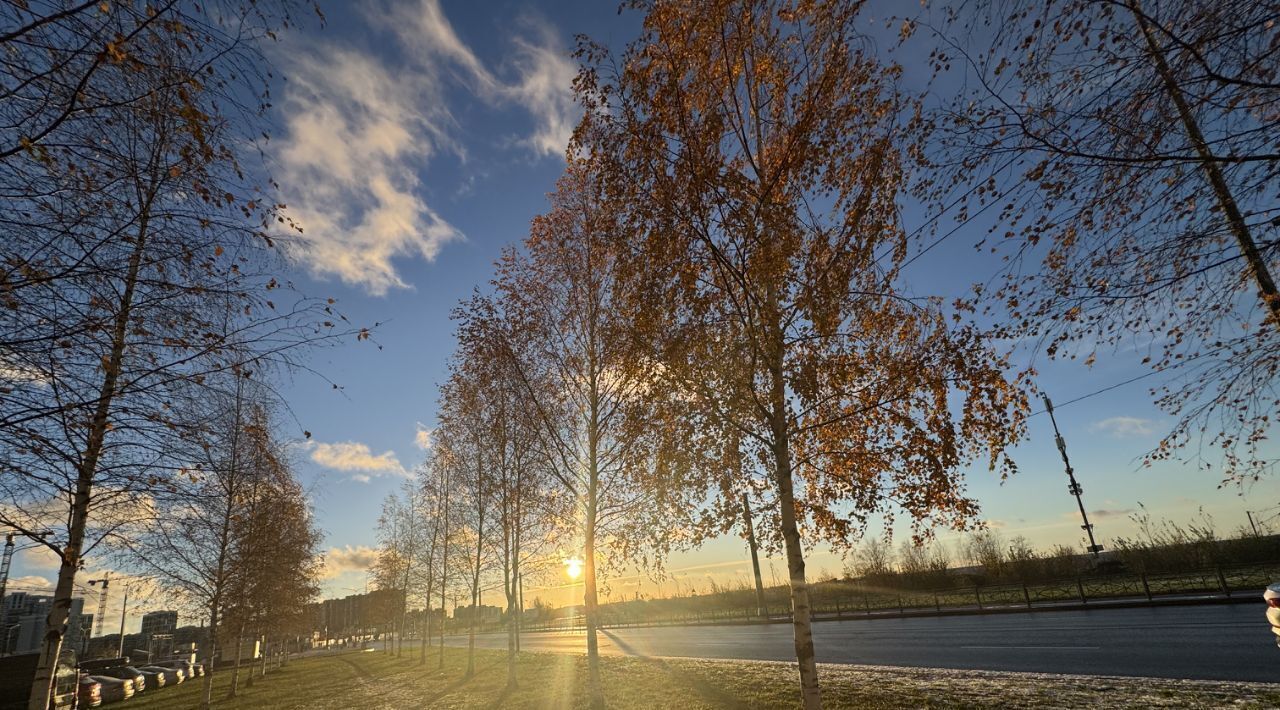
[236,542]
[139,292]
[714,305]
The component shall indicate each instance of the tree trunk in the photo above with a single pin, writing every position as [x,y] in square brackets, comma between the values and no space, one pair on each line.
[60,610]
[1213,172]
[802,627]
[475,577]
[589,598]
[755,555]
[426,626]
[224,542]
[444,560]
[511,635]
[589,595]
[206,691]
[235,670]
[475,607]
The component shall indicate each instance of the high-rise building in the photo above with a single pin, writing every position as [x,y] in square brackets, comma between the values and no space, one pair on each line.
[22,623]
[159,622]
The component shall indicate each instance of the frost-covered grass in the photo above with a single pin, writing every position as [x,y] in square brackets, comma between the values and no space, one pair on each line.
[374,680]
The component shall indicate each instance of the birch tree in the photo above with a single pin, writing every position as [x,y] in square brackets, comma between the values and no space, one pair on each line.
[525,508]
[572,348]
[189,546]
[132,232]
[760,150]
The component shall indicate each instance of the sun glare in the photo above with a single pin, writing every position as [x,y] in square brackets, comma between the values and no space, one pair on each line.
[573,567]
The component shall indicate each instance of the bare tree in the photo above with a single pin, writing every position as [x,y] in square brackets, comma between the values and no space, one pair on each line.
[571,350]
[525,507]
[1120,155]
[133,232]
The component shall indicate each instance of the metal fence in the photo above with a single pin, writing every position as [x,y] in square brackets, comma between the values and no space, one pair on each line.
[849,599]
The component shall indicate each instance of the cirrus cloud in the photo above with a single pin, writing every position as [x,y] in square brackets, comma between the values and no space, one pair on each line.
[1124,427]
[360,126]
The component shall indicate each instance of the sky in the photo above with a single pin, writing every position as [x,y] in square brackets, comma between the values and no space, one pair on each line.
[416,138]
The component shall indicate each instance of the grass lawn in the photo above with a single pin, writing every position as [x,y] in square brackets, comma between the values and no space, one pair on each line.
[374,680]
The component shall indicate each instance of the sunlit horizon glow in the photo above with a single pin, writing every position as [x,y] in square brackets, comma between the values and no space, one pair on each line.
[573,567]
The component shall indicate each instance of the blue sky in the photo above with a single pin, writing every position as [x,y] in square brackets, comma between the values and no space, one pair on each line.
[487,87]
[417,138]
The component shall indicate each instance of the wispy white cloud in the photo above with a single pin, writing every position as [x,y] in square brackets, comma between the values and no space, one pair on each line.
[358,131]
[427,35]
[543,88]
[355,138]
[357,459]
[1112,512]
[422,438]
[1098,514]
[29,583]
[1124,427]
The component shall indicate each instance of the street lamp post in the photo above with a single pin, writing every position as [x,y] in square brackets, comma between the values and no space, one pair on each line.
[124,608]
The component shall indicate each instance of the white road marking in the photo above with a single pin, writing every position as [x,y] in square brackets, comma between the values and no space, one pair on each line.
[1038,648]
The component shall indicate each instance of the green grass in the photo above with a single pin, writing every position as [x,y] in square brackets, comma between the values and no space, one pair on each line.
[374,680]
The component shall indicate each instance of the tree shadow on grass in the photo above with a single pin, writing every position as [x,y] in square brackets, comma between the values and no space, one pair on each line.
[709,692]
[501,700]
[459,683]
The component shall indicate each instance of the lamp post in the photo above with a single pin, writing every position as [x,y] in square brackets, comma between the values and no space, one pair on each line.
[124,608]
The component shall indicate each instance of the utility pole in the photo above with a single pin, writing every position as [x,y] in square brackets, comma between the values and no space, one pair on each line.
[1073,487]
[102,598]
[755,555]
[123,608]
[1247,513]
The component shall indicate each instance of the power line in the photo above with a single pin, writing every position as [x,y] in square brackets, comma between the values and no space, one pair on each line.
[1104,390]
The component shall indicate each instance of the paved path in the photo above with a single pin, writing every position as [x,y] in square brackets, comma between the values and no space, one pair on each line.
[1230,642]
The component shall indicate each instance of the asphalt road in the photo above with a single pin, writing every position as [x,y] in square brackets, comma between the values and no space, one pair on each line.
[1227,642]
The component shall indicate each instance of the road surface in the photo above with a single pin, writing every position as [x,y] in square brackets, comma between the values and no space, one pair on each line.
[1221,642]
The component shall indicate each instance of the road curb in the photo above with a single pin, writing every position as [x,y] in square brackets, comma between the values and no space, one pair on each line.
[1097,605]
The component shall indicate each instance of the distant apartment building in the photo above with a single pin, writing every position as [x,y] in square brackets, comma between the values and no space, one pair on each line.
[357,614]
[159,622]
[22,623]
[484,613]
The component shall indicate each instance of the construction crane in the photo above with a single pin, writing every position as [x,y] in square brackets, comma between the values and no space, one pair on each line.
[102,599]
[4,566]
[10,546]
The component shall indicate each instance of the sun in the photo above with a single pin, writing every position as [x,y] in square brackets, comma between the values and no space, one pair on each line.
[573,567]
